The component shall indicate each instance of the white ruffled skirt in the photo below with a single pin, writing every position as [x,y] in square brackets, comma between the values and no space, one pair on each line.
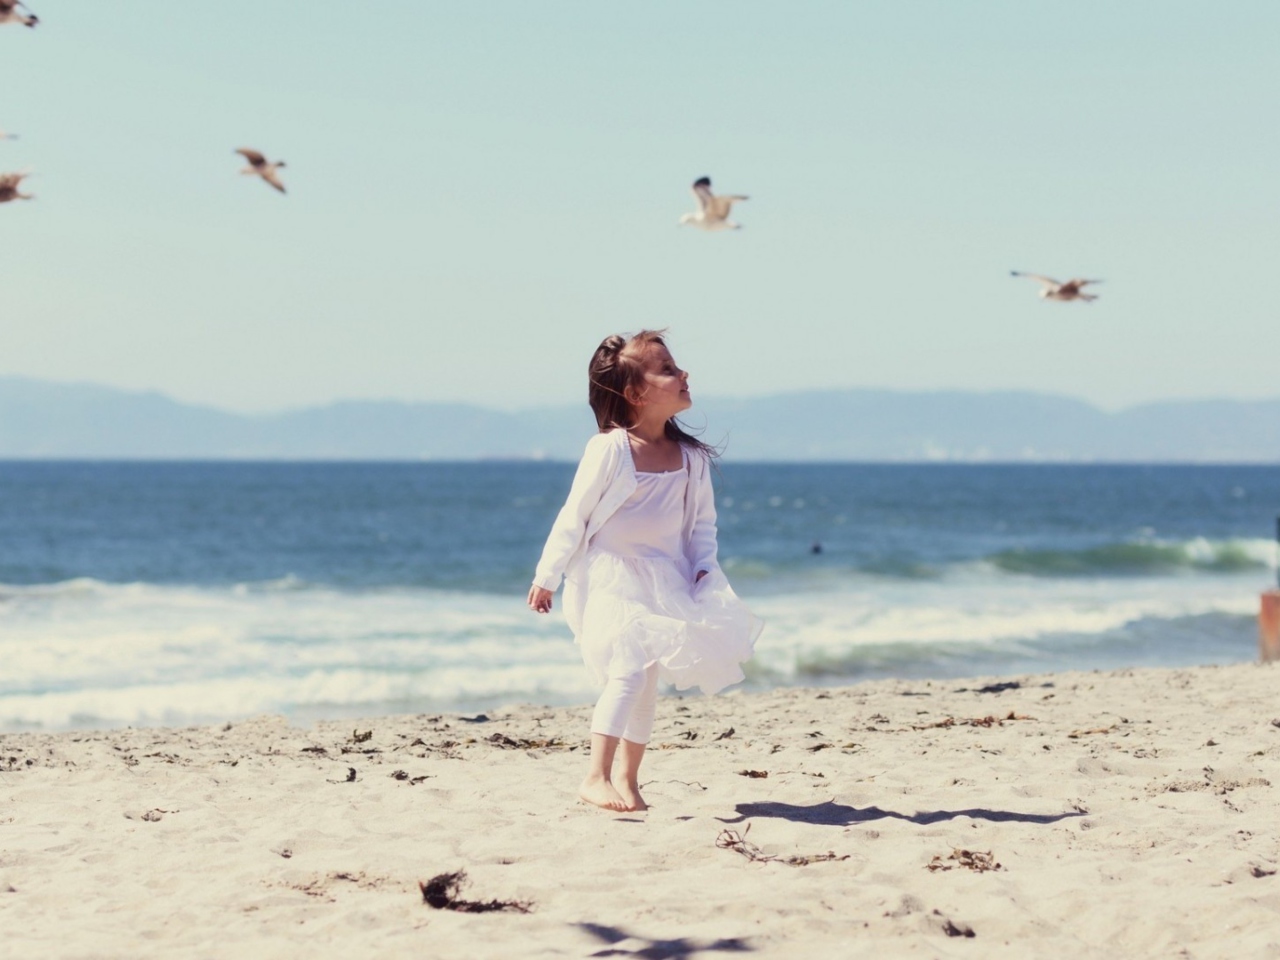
[629,612]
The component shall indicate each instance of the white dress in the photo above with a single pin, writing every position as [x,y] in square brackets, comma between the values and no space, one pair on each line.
[642,605]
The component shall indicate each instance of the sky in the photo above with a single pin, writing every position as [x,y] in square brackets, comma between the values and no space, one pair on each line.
[480,192]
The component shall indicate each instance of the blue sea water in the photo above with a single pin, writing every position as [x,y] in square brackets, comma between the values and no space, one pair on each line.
[144,593]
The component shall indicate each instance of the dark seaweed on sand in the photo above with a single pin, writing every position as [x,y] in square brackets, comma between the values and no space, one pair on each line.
[979,861]
[442,890]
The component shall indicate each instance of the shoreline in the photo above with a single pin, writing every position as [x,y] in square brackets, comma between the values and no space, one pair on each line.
[1131,812]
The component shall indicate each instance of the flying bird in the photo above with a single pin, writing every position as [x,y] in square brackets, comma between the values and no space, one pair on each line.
[9,183]
[9,13]
[8,136]
[1057,290]
[713,211]
[258,165]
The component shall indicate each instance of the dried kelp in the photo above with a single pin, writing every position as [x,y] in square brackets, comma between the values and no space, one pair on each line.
[521,743]
[979,861]
[987,721]
[442,890]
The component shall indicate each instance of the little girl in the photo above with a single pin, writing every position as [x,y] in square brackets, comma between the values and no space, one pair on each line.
[636,545]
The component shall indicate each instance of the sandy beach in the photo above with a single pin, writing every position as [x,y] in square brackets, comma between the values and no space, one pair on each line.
[1086,814]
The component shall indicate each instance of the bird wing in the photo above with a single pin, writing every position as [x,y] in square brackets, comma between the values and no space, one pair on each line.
[10,180]
[1047,281]
[702,193]
[253,156]
[1078,283]
[271,178]
[722,204]
[6,6]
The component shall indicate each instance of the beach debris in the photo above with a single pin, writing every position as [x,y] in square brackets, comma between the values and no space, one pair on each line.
[995,687]
[318,750]
[754,774]
[713,211]
[688,734]
[818,746]
[9,183]
[1058,289]
[987,721]
[521,743]
[738,843]
[442,890]
[1210,784]
[322,886]
[979,861]
[413,781]
[726,735]
[358,737]
[478,718]
[1276,722]
[687,783]
[1077,734]
[9,13]
[907,905]
[150,816]
[259,165]
[350,778]
[166,757]
[950,927]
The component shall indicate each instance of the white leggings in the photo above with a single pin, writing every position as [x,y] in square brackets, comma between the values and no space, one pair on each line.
[626,707]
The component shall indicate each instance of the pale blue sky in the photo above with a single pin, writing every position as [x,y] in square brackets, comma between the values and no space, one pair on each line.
[479,192]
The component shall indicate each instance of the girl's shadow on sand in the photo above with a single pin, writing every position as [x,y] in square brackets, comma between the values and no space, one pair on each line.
[834,814]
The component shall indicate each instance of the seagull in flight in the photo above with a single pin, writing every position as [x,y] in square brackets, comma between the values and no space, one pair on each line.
[1057,290]
[9,13]
[9,183]
[713,211]
[258,165]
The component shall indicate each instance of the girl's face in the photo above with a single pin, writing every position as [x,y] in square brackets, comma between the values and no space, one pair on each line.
[666,386]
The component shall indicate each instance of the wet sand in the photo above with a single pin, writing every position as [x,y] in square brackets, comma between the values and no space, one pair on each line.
[1129,814]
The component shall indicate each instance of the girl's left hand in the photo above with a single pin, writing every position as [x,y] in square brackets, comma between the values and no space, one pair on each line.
[539,599]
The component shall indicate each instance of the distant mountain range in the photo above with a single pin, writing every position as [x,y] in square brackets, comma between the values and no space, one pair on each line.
[43,420]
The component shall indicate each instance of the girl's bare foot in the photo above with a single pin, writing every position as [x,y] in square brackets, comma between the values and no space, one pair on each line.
[600,792]
[630,793]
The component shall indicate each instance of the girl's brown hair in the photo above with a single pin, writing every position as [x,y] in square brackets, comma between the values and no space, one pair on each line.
[618,365]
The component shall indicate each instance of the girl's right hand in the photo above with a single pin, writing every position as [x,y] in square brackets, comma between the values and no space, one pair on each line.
[539,599]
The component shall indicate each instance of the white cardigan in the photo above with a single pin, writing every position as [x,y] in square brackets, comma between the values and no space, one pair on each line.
[606,477]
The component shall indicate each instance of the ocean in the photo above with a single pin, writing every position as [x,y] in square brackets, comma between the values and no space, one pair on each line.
[180,593]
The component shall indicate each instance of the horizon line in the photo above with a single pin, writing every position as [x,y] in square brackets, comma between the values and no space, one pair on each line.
[780,394]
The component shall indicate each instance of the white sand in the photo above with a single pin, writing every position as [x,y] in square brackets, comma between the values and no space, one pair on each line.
[1132,813]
